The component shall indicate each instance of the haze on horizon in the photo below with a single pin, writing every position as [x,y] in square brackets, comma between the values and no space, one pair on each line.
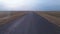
[33,5]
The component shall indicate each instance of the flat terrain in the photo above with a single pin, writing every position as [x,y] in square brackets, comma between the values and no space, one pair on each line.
[7,16]
[31,23]
[55,14]
[51,16]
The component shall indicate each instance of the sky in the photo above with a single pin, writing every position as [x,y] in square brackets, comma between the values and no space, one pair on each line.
[31,5]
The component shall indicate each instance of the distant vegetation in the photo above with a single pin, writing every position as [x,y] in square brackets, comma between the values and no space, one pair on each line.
[6,16]
[52,16]
[56,14]
[3,14]
[6,13]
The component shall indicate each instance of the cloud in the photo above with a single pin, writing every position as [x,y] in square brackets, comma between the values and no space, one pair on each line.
[30,5]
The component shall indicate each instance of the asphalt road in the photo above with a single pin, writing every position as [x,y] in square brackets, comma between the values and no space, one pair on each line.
[29,24]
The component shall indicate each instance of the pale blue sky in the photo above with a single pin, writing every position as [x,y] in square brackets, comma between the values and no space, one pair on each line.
[36,5]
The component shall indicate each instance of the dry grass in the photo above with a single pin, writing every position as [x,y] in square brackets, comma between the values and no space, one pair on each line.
[5,18]
[53,17]
[55,14]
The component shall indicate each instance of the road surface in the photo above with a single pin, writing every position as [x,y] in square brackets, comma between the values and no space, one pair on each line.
[29,24]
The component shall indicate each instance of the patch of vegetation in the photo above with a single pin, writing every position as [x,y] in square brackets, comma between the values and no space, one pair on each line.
[56,14]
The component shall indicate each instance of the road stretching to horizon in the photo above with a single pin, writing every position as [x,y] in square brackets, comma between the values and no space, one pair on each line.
[30,23]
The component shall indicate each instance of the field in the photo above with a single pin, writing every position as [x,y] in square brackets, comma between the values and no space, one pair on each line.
[7,16]
[52,16]
[55,14]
